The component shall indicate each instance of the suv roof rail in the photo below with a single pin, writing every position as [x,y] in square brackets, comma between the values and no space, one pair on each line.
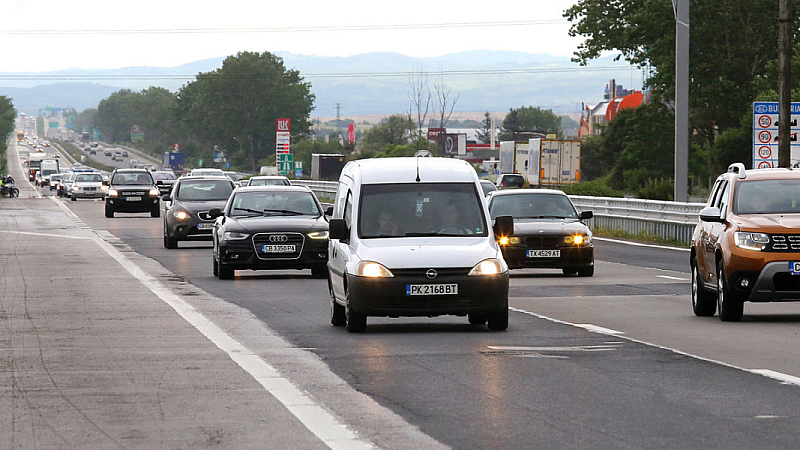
[738,168]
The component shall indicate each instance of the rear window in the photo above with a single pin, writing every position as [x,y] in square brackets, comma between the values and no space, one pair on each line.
[533,206]
[420,209]
[89,178]
[132,178]
[269,182]
[204,190]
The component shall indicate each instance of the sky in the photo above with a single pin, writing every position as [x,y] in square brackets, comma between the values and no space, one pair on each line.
[45,35]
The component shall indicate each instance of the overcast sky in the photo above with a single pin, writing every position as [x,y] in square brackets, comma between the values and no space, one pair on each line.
[173,32]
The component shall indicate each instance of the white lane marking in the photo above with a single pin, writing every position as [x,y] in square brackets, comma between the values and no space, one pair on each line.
[568,348]
[786,379]
[45,235]
[315,417]
[672,278]
[596,329]
[639,244]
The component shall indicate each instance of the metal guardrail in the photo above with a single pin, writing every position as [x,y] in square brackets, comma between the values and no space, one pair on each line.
[669,220]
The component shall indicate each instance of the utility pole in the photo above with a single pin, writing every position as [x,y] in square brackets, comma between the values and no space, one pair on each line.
[784,83]
[338,117]
[681,10]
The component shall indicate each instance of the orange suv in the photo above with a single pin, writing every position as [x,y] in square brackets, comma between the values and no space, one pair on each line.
[746,246]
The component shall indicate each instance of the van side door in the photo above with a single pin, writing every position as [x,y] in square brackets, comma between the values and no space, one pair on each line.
[339,249]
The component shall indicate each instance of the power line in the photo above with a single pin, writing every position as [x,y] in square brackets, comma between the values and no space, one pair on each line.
[530,70]
[518,23]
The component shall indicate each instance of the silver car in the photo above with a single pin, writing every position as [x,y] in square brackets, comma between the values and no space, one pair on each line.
[87,185]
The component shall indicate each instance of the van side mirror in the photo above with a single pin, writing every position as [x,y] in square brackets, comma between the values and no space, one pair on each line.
[213,212]
[329,211]
[337,229]
[586,215]
[503,226]
[711,214]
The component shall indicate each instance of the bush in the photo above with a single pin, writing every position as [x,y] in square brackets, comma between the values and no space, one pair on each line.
[657,190]
[596,188]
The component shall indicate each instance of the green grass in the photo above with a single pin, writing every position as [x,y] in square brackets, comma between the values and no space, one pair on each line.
[641,237]
[76,154]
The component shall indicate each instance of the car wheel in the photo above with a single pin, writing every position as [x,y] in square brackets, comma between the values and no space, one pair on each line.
[215,266]
[319,272]
[72,197]
[477,319]
[569,271]
[586,271]
[730,308]
[338,314]
[703,302]
[224,272]
[354,322]
[155,212]
[109,211]
[498,321]
[170,243]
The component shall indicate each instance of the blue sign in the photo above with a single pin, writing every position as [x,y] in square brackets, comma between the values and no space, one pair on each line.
[227,165]
[298,174]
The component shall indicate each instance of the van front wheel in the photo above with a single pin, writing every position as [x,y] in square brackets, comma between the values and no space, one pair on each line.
[498,321]
[355,322]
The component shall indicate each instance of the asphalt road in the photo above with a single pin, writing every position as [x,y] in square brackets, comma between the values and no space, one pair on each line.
[549,381]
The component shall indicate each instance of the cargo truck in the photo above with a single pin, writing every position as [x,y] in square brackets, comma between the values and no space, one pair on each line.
[35,163]
[542,162]
[327,166]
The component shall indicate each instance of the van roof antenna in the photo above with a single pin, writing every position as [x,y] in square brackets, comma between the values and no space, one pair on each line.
[418,154]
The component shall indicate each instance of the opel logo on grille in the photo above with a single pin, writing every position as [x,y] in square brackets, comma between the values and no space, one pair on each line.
[278,238]
[431,274]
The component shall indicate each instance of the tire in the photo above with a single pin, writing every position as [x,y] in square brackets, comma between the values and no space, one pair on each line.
[354,322]
[72,197]
[338,314]
[14,192]
[703,302]
[215,266]
[569,271]
[730,308]
[320,272]
[498,321]
[477,319]
[109,211]
[170,243]
[586,271]
[155,212]
[224,272]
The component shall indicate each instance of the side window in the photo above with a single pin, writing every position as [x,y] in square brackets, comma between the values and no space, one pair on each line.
[712,198]
[338,202]
[348,211]
[718,193]
[725,199]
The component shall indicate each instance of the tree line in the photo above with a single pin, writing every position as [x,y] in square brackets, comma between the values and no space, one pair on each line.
[7,116]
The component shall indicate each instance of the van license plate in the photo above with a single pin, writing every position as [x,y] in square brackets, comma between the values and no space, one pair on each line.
[544,253]
[277,248]
[432,289]
[794,268]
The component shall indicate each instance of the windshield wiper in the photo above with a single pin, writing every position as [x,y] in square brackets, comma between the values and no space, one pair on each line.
[283,211]
[254,211]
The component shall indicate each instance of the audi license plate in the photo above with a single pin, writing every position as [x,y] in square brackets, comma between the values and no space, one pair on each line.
[133,199]
[289,248]
[794,268]
[544,253]
[432,289]
[205,226]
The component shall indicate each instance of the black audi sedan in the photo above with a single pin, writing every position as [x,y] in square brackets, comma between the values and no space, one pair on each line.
[270,227]
[548,231]
[186,215]
[131,190]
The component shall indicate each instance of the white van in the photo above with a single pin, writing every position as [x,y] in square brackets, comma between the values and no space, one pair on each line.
[413,237]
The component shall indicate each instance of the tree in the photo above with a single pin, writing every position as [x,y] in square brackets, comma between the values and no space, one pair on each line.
[7,115]
[445,104]
[485,132]
[530,118]
[420,97]
[243,99]
[396,130]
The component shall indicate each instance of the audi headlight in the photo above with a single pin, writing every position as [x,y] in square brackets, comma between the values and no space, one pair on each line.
[318,234]
[751,241]
[180,215]
[489,266]
[154,192]
[372,270]
[234,236]
[113,193]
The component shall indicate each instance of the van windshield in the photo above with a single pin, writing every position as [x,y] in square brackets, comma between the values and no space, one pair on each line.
[420,209]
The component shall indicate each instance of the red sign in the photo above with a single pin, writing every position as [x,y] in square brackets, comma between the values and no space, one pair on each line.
[284,124]
[176,147]
[764,136]
[764,152]
[764,121]
[351,133]
[764,165]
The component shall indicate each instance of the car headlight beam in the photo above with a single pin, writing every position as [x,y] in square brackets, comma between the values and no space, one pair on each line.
[318,234]
[372,269]
[751,241]
[234,236]
[180,215]
[491,266]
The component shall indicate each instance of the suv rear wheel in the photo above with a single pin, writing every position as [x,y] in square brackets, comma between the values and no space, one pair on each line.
[703,302]
[109,211]
[730,308]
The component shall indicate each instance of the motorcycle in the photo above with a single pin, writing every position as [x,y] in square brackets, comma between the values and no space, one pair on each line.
[7,188]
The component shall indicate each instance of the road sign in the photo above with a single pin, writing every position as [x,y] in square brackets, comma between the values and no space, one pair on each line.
[298,165]
[298,173]
[227,165]
[765,134]
[283,125]
[285,163]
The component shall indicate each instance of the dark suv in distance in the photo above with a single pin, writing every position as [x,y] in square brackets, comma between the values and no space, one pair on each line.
[510,181]
[186,216]
[132,190]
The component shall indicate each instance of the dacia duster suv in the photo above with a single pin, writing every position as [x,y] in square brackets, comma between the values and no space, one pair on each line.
[746,246]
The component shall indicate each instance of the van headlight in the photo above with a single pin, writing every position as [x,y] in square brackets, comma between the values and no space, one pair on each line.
[751,241]
[372,269]
[491,266]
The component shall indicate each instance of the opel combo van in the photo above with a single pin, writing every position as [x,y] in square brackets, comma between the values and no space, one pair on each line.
[413,237]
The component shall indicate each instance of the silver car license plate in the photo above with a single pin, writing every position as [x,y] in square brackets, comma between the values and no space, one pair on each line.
[205,226]
[432,289]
